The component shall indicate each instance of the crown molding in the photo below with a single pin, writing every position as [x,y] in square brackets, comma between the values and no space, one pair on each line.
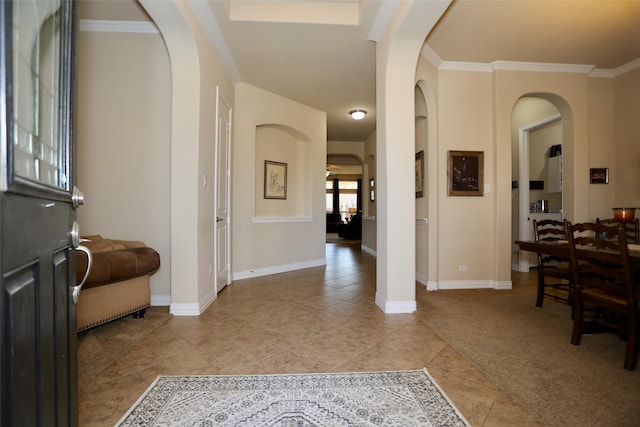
[542,67]
[629,66]
[434,59]
[602,73]
[478,67]
[106,26]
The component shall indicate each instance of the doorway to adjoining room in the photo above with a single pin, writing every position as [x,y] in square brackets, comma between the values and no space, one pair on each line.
[343,204]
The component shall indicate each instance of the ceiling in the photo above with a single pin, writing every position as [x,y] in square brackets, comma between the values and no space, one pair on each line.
[330,65]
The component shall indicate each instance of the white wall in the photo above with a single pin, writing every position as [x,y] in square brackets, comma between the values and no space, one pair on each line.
[271,236]
[123,142]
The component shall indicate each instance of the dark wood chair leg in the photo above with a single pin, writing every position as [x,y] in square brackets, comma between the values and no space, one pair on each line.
[540,296]
[139,314]
[633,347]
[576,335]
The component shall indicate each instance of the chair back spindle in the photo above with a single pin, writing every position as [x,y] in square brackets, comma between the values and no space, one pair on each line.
[554,275]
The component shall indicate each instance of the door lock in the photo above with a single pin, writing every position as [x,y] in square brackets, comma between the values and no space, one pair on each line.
[77,197]
[218,219]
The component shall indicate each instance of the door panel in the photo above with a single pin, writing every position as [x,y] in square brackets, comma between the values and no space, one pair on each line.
[20,290]
[37,262]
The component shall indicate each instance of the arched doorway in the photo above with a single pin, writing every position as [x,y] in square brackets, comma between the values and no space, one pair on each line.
[539,134]
[344,197]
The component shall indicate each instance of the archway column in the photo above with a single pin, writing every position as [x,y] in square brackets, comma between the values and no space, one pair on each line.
[170,17]
[396,59]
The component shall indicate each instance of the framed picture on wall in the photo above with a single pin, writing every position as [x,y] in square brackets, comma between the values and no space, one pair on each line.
[275,180]
[465,173]
[419,173]
[599,175]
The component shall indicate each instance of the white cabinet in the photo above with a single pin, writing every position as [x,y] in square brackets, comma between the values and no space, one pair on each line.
[554,174]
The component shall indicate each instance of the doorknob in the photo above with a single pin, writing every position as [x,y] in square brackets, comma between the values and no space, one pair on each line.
[218,219]
[77,197]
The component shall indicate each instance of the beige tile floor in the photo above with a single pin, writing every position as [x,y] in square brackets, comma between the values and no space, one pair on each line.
[315,320]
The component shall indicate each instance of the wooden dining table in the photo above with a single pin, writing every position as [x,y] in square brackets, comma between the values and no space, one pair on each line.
[561,249]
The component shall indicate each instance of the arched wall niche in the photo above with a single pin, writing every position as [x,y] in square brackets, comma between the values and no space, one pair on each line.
[422,191]
[283,144]
[426,110]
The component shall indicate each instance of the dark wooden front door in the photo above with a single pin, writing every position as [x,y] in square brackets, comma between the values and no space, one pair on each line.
[38,339]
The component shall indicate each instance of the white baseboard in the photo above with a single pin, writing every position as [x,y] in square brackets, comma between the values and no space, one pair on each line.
[472,284]
[185,309]
[395,307]
[207,300]
[266,271]
[368,250]
[193,309]
[421,279]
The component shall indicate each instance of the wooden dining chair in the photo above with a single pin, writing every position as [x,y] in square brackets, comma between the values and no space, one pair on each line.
[604,291]
[554,274]
[632,228]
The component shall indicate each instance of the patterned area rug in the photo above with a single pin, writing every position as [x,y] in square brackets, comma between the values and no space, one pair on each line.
[396,398]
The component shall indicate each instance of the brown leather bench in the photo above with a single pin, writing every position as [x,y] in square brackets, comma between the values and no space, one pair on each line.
[118,283]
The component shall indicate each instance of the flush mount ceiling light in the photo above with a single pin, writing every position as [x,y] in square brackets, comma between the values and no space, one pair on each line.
[358,114]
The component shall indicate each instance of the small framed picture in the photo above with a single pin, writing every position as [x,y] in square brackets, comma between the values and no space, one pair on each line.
[599,175]
[419,173]
[466,173]
[275,180]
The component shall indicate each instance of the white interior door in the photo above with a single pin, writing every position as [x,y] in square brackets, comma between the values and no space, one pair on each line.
[222,197]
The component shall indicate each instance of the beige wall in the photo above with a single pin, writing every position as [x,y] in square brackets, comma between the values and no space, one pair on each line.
[474,112]
[625,176]
[467,224]
[270,236]
[467,111]
[602,145]
[123,140]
